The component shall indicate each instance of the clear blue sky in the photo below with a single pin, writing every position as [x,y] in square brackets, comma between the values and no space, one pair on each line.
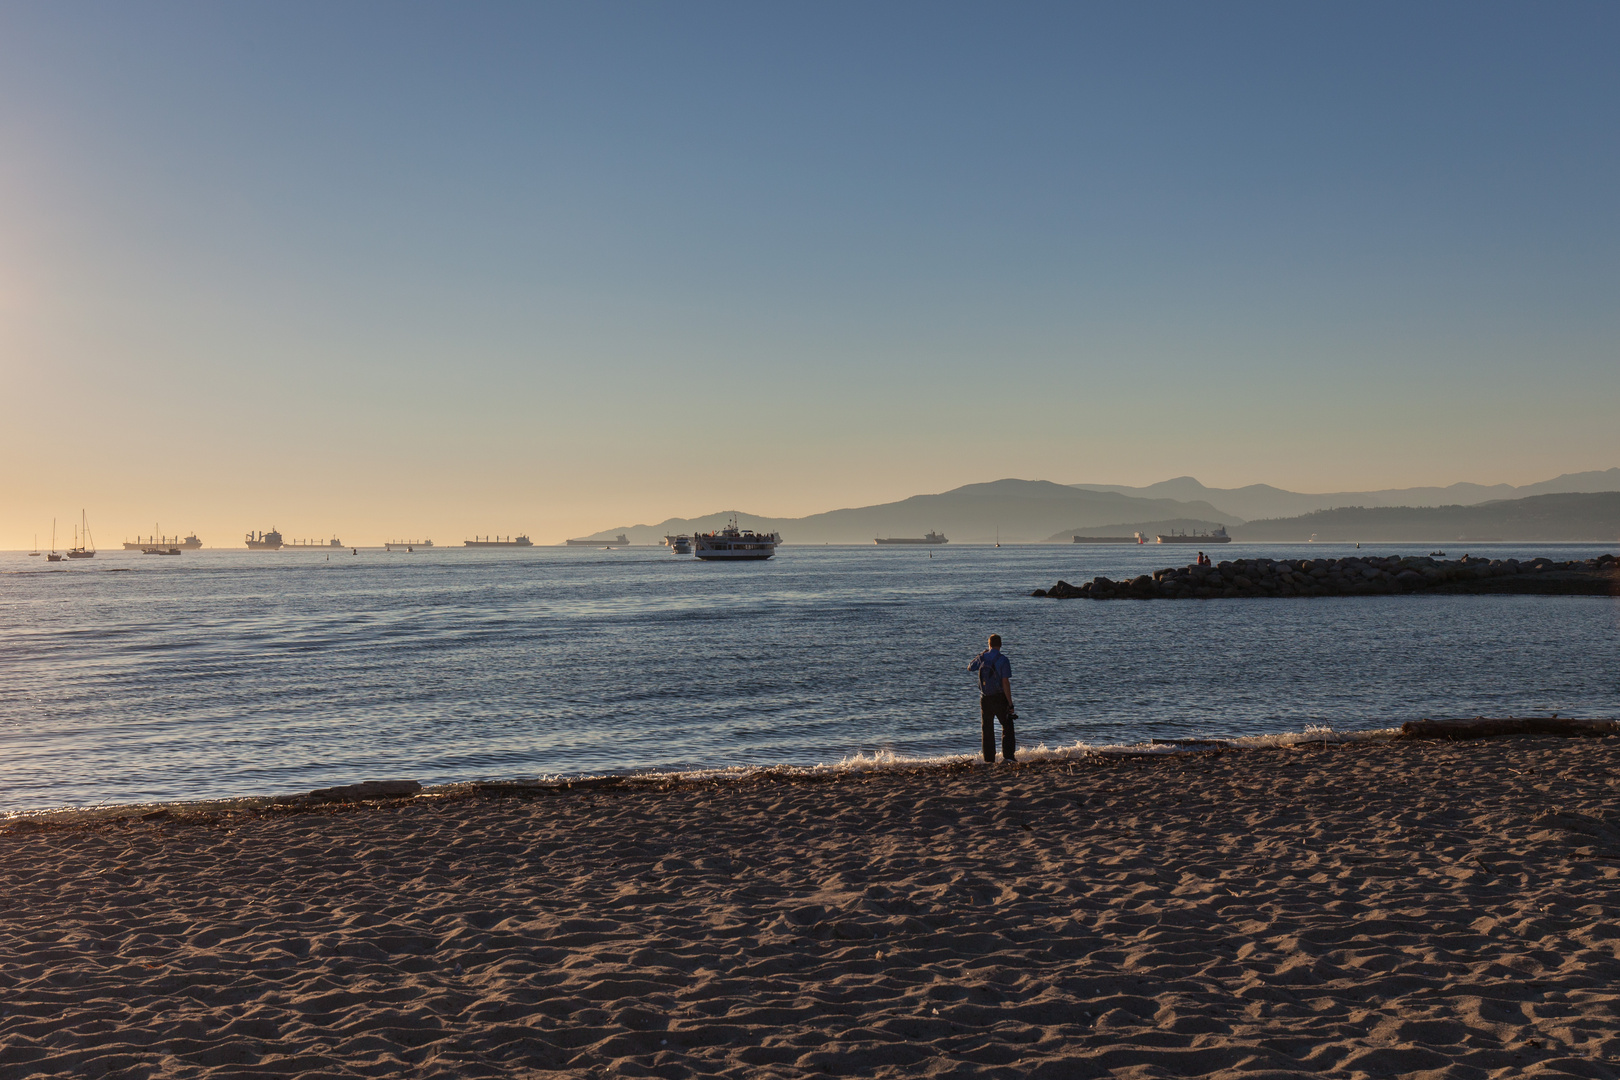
[454,268]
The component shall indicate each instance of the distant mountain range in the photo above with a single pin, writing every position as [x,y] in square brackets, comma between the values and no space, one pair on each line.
[1265,501]
[1026,511]
[1582,516]
[1016,511]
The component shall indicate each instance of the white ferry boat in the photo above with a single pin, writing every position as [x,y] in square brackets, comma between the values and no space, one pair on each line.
[733,543]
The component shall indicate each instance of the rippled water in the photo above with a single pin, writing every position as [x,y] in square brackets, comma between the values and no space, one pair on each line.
[137,678]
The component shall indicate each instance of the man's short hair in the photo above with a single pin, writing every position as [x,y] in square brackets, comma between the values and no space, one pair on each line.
[995,641]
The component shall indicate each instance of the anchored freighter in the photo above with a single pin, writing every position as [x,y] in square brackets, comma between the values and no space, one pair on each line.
[190,543]
[1217,537]
[926,538]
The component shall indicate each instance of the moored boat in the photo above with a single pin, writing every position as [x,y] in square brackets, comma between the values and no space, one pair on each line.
[265,541]
[83,547]
[618,541]
[496,541]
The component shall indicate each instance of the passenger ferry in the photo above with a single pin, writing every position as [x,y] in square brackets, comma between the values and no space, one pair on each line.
[733,543]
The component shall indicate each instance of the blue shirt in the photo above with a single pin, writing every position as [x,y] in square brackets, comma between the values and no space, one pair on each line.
[996,667]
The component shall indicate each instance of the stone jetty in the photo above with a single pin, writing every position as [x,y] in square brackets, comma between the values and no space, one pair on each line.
[1370,575]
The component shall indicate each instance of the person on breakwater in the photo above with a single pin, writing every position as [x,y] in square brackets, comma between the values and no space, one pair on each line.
[995,700]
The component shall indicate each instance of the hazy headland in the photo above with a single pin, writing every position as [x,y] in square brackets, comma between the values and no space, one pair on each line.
[1573,507]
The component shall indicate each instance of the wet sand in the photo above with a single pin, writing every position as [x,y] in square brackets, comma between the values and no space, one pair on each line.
[1405,909]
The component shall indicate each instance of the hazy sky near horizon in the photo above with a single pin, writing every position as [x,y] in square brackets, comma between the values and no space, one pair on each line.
[445,269]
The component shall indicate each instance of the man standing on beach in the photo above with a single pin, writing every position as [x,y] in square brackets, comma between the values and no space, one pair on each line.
[995,700]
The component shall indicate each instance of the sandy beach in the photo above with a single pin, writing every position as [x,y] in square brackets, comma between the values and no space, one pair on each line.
[1396,909]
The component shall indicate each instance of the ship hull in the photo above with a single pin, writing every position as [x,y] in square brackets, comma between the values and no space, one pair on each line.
[262,545]
[909,540]
[498,543]
[1107,540]
[1194,540]
[713,555]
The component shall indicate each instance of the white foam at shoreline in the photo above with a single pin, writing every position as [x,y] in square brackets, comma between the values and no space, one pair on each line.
[877,762]
[887,761]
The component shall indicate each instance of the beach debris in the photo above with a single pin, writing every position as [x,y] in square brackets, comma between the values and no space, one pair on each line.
[1354,576]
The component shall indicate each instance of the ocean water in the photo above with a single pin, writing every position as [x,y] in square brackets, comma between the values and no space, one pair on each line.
[135,678]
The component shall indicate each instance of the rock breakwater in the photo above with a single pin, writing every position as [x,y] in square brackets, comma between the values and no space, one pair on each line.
[1354,576]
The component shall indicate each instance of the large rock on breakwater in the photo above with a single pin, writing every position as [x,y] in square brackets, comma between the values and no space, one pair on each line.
[1355,576]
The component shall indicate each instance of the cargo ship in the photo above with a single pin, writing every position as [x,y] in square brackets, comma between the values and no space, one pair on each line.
[270,541]
[926,538]
[408,545]
[313,545]
[190,543]
[1217,537]
[1136,539]
[618,541]
[496,541]
[734,543]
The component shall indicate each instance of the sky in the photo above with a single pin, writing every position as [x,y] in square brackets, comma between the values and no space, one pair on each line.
[388,270]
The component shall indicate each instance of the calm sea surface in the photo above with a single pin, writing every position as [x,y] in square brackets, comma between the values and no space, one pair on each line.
[135,678]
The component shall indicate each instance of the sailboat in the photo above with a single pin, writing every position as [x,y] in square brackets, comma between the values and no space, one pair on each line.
[54,556]
[84,547]
[36,545]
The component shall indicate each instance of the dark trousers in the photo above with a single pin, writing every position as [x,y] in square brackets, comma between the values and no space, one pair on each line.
[992,708]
